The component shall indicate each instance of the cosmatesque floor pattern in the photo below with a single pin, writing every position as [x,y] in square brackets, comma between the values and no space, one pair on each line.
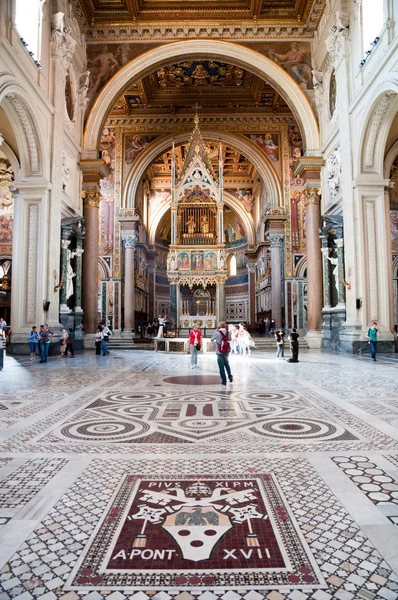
[134,477]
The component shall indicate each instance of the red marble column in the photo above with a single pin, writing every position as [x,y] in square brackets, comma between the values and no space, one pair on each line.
[314,260]
[91,200]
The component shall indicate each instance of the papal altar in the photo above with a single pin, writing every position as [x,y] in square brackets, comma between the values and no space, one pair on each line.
[187,321]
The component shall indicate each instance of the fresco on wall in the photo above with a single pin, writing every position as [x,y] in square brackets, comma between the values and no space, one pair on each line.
[107,146]
[234,232]
[293,57]
[295,151]
[394,229]
[183,262]
[163,233]
[6,223]
[210,261]
[134,145]
[156,198]
[269,144]
[246,197]
[197,260]
[104,60]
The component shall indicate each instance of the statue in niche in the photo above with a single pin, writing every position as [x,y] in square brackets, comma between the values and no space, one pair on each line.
[204,224]
[70,274]
[335,262]
[171,261]
[191,225]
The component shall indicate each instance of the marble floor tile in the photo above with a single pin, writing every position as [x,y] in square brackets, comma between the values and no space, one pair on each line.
[129,476]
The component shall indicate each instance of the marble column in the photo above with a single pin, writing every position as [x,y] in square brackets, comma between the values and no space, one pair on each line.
[65,243]
[221,301]
[173,304]
[251,269]
[78,279]
[276,241]
[130,242]
[314,264]
[340,271]
[91,200]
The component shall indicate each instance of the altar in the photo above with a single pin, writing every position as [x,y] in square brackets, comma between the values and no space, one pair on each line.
[207,321]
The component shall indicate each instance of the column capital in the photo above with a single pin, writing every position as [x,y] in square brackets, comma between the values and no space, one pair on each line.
[251,267]
[312,196]
[91,198]
[275,239]
[130,240]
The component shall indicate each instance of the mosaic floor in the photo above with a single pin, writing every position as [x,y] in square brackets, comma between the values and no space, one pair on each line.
[132,476]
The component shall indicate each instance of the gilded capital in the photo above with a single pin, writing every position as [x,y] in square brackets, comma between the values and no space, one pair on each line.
[312,196]
[91,198]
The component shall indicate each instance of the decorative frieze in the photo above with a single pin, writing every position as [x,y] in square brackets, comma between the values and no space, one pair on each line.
[374,127]
[333,167]
[28,129]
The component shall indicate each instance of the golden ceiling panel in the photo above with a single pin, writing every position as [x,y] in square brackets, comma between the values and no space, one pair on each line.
[110,13]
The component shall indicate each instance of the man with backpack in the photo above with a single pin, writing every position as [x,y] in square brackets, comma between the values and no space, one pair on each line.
[223,348]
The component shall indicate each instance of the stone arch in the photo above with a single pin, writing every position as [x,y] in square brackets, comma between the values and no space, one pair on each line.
[25,126]
[389,159]
[247,58]
[244,145]
[229,200]
[377,124]
[300,269]
[103,269]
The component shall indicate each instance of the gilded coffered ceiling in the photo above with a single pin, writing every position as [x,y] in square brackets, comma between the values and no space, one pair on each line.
[213,85]
[110,13]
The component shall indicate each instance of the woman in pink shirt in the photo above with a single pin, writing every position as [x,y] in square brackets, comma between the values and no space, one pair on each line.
[195,342]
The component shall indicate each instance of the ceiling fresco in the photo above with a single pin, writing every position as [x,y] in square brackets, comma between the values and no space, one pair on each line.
[115,12]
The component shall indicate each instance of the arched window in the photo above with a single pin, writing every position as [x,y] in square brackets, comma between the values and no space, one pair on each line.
[232,266]
[28,21]
[372,21]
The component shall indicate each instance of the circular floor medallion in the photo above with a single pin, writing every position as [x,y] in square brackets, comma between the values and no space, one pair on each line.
[194,380]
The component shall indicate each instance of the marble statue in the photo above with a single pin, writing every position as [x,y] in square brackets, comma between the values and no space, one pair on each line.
[70,274]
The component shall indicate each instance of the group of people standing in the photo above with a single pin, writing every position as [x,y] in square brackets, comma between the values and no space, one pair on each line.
[294,344]
[102,336]
[241,340]
[41,340]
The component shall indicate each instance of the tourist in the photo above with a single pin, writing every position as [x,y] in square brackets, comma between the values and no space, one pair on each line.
[294,345]
[98,338]
[267,325]
[261,327]
[241,339]
[62,341]
[195,343]
[39,344]
[272,327]
[280,343]
[105,334]
[3,325]
[223,348]
[249,343]
[372,337]
[161,322]
[69,344]
[233,334]
[33,342]
[45,341]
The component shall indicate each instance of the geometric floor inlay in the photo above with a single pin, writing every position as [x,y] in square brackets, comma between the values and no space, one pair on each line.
[156,417]
[201,532]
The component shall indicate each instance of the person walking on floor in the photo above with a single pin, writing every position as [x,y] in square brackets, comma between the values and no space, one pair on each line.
[69,344]
[267,325]
[105,333]
[294,345]
[223,348]
[33,342]
[372,337]
[98,337]
[45,341]
[241,339]
[233,334]
[280,344]
[195,343]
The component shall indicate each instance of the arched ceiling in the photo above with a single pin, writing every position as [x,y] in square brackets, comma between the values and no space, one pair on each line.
[215,86]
